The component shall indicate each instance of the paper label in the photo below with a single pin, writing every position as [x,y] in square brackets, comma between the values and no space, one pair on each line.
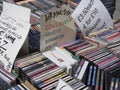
[91,15]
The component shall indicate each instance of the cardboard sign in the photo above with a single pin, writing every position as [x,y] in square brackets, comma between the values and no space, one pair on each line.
[57,27]
[13,32]
[63,86]
[91,15]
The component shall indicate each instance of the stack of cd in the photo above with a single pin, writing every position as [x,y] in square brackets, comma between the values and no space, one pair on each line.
[106,36]
[117,26]
[102,58]
[91,76]
[73,83]
[96,65]
[99,83]
[115,84]
[79,46]
[115,48]
[7,80]
[21,86]
[39,71]
[107,61]
[28,60]
[43,74]
[34,40]
[95,78]
[82,70]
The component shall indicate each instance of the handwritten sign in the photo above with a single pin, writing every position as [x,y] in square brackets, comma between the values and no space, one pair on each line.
[13,32]
[57,27]
[63,86]
[91,15]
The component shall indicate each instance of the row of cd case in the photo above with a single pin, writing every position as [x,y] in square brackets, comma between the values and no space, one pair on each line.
[100,60]
[44,74]
[93,76]
[7,79]
[101,57]
[107,36]
[21,86]
[98,79]
[115,83]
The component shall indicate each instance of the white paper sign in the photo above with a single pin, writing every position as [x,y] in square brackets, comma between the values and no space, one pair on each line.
[13,32]
[91,15]
[63,86]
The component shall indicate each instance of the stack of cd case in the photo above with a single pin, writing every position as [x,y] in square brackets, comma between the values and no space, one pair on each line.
[117,25]
[20,86]
[114,47]
[115,83]
[7,79]
[73,83]
[101,62]
[79,46]
[95,78]
[27,60]
[39,71]
[42,74]
[34,40]
[106,36]
[101,57]
[82,70]
[107,61]
[90,75]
